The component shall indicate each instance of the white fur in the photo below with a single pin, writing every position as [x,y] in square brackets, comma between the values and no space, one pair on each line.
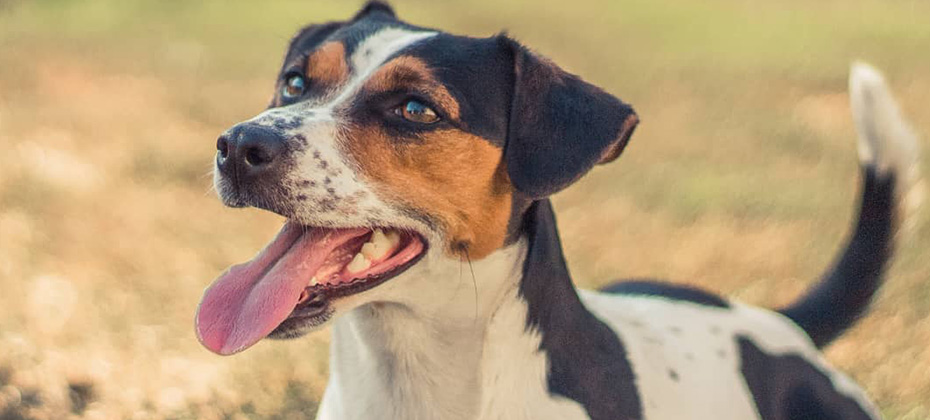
[886,140]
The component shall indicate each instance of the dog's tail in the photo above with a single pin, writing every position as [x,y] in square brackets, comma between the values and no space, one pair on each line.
[888,153]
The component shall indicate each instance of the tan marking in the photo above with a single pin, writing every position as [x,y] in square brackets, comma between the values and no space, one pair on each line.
[626,130]
[412,72]
[456,178]
[327,66]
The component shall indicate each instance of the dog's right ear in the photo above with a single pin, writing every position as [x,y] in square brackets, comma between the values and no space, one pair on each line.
[560,126]
[375,7]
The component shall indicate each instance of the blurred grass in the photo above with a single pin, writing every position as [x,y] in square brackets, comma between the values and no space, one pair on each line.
[740,179]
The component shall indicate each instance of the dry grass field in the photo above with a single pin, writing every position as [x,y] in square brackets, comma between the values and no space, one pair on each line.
[741,179]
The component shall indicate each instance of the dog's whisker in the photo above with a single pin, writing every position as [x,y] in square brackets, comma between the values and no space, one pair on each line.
[474,280]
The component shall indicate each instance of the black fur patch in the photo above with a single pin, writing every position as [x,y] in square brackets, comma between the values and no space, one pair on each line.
[789,388]
[667,291]
[588,363]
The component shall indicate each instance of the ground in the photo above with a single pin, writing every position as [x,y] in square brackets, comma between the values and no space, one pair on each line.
[740,179]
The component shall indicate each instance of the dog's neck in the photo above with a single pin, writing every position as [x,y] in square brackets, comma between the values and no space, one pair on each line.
[452,356]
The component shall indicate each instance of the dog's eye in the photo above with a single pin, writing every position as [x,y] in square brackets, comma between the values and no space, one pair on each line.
[294,86]
[415,111]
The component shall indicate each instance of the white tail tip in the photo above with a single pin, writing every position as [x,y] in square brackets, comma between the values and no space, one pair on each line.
[886,140]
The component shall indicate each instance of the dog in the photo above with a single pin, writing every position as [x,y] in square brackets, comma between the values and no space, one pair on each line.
[402,156]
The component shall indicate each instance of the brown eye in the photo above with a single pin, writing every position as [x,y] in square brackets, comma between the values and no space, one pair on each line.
[294,86]
[416,112]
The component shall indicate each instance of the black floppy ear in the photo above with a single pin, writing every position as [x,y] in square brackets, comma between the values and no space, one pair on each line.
[374,7]
[560,126]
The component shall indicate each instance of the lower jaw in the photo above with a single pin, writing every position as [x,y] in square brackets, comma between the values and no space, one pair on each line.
[300,325]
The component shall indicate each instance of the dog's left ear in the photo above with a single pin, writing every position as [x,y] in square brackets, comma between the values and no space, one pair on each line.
[560,126]
[375,7]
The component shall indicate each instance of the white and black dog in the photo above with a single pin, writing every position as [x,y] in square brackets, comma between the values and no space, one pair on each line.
[402,156]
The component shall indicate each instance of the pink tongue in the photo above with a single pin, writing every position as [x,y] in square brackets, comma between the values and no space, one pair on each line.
[250,300]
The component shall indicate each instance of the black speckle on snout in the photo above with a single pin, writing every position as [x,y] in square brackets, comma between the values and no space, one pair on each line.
[289,123]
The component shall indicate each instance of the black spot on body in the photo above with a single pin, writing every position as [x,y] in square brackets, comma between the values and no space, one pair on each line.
[305,183]
[673,375]
[666,291]
[788,387]
[653,340]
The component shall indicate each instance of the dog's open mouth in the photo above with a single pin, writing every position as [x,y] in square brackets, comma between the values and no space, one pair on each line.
[296,277]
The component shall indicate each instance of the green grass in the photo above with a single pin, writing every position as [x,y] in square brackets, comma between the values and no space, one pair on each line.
[741,179]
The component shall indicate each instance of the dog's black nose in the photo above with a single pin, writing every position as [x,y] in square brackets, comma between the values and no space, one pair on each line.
[248,151]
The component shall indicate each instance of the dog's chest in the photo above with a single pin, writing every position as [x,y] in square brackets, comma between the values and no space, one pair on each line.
[506,378]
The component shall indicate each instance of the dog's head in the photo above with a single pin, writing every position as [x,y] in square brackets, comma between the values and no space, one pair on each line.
[391,148]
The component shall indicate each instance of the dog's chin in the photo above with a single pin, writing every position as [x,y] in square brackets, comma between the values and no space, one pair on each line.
[301,325]
[240,198]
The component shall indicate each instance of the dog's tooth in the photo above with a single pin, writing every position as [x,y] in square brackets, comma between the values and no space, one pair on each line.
[378,237]
[393,238]
[359,263]
[369,250]
[314,281]
[374,250]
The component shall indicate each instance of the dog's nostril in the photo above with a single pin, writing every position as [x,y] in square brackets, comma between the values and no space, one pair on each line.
[222,146]
[255,156]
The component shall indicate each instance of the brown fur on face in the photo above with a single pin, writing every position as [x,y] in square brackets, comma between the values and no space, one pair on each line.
[456,178]
[327,66]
